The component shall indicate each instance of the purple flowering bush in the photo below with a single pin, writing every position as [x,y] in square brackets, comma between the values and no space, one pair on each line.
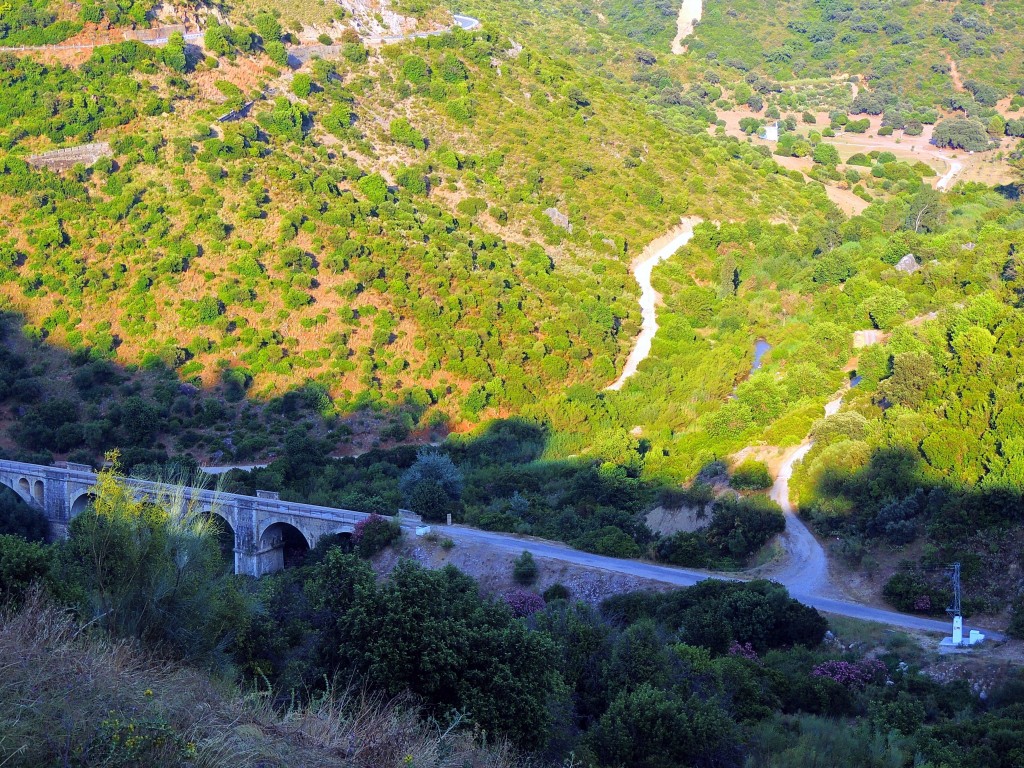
[852,674]
[746,650]
[523,602]
[373,533]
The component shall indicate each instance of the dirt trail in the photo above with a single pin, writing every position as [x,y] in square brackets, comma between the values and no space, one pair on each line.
[804,569]
[689,14]
[955,166]
[804,565]
[652,255]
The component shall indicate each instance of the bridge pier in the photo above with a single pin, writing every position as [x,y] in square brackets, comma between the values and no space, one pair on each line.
[268,560]
[243,518]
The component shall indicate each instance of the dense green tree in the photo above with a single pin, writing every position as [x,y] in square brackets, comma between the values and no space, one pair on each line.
[374,187]
[826,154]
[302,84]
[650,728]
[525,569]
[438,639]
[432,486]
[173,54]
[276,51]
[886,307]
[415,70]
[912,374]
[961,133]
[927,211]
[22,565]
[19,519]
[268,26]
[217,39]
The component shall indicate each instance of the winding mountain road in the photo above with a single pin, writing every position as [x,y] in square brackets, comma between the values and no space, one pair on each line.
[804,571]
[683,577]
[464,22]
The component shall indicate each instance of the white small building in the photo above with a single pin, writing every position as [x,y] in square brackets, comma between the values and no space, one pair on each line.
[957,639]
[770,132]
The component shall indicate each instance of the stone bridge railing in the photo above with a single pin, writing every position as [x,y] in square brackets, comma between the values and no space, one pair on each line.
[67,157]
[264,527]
[156,37]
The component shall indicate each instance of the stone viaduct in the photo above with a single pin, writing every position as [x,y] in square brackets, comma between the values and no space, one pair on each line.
[264,528]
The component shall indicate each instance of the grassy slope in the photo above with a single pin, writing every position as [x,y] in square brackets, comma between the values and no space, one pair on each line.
[900,59]
[128,707]
[525,149]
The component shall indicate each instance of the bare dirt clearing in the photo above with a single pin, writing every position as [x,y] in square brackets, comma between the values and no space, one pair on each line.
[950,166]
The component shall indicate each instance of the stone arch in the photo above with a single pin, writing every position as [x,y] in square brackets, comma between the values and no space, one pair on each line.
[82,502]
[285,544]
[9,494]
[336,537]
[342,532]
[38,491]
[226,535]
[15,487]
[24,489]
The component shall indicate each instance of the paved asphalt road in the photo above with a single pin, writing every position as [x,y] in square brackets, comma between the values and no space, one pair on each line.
[466,22]
[686,578]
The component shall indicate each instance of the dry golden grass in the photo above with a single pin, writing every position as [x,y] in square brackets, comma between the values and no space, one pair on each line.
[69,697]
[305,12]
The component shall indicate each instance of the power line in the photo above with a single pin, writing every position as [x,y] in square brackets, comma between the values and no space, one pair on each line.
[954,610]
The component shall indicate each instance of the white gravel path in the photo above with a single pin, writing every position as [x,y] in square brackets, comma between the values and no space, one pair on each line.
[652,255]
[689,13]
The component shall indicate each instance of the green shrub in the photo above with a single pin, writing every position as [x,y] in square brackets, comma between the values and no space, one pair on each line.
[524,570]
[374,533]
[22,564]
[355,52]
[909,592]
[826,154]
[402,132]
[276,51]
[609,541]
[685,548]
[751,475]
[415,70]
[144,572]
[1016,626]
[472,206]
[19,519]
[556,592]
[302,84]
[374,187]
